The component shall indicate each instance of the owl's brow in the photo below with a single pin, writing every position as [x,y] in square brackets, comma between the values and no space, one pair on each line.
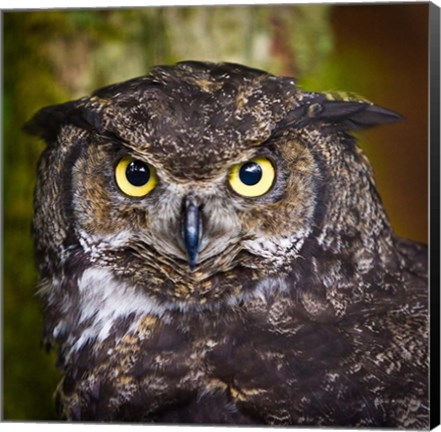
[108,137]
[104,137]
[284,125]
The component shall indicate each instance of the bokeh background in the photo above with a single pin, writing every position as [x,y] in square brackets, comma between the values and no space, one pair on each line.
[377,51]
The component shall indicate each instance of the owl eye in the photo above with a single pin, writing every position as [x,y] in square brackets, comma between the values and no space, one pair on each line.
[134,177]
[253,178]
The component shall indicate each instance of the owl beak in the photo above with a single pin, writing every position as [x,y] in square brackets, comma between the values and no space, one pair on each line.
[191,230]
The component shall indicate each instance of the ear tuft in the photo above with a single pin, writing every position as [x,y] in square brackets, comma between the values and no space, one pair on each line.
[371,115]
[347,113]
[355,115]
[47,122]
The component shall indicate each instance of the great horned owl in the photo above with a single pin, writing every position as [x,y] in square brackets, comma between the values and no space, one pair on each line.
[212,249]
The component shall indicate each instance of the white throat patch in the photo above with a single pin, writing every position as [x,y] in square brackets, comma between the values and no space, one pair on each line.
[104,300]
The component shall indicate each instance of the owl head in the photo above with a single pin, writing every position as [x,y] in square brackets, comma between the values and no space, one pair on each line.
[193,182]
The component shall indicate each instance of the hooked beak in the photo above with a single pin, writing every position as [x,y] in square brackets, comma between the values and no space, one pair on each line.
[191,230]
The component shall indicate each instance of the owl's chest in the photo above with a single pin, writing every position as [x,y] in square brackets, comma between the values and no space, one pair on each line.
[269,364]
[249,362]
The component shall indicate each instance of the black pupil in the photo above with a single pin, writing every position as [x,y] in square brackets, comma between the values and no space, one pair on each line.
[137,173]
[250,173]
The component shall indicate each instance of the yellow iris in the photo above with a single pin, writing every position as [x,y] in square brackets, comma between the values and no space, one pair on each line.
[134,177]
[253,178]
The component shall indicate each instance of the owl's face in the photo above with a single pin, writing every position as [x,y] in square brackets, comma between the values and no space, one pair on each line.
[191,183]
[248,214]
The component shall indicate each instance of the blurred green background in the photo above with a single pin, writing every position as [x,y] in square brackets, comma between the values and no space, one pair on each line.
[377,51]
